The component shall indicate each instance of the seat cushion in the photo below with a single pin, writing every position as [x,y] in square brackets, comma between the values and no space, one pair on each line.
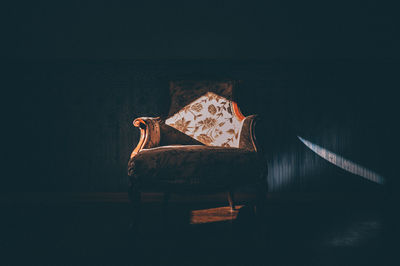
[194,167]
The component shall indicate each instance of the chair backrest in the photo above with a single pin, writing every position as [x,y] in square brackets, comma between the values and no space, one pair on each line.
[205,111]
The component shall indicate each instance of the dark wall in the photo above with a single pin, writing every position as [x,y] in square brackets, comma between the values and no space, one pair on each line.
[70,123]
[77,73]
[231,29]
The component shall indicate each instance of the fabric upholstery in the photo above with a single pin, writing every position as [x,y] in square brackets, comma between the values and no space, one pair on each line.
[193,167]
[183,92]
[210,120]
[204,144]
[172,136]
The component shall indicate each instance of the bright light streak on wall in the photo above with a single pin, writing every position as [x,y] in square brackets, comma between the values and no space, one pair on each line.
[344,163]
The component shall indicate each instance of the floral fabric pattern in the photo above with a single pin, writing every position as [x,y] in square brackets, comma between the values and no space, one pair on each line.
[210,120]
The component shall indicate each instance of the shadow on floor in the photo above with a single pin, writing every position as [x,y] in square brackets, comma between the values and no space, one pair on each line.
[289,234]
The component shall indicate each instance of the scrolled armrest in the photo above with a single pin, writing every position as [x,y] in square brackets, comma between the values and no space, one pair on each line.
[149,133]
[247,135]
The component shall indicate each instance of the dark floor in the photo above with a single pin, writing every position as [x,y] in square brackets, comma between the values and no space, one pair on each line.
[312,233]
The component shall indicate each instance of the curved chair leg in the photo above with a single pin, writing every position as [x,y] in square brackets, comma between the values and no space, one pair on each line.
[135,198]
[231,199]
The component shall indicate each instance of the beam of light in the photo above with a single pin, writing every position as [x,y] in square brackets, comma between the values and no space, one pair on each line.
[344,163]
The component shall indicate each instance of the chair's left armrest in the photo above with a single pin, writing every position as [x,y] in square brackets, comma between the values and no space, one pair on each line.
[149,133]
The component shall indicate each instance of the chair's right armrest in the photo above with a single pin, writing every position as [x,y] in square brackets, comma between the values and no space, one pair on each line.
[247,135]
[149,133]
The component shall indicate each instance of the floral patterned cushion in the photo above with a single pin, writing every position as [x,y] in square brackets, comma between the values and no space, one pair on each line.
[210,120]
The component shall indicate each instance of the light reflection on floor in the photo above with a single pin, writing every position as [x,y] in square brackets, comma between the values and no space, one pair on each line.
[220,214]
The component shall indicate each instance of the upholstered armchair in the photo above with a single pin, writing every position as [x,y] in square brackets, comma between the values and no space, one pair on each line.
[205,144]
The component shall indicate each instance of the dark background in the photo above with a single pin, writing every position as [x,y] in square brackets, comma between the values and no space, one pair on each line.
[77,73]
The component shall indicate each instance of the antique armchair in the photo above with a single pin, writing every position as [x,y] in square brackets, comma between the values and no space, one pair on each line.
[204,145]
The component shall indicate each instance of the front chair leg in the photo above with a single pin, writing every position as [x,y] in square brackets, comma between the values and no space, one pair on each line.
[231,199]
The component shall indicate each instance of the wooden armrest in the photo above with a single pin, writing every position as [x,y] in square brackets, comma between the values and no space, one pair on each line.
[149,133]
